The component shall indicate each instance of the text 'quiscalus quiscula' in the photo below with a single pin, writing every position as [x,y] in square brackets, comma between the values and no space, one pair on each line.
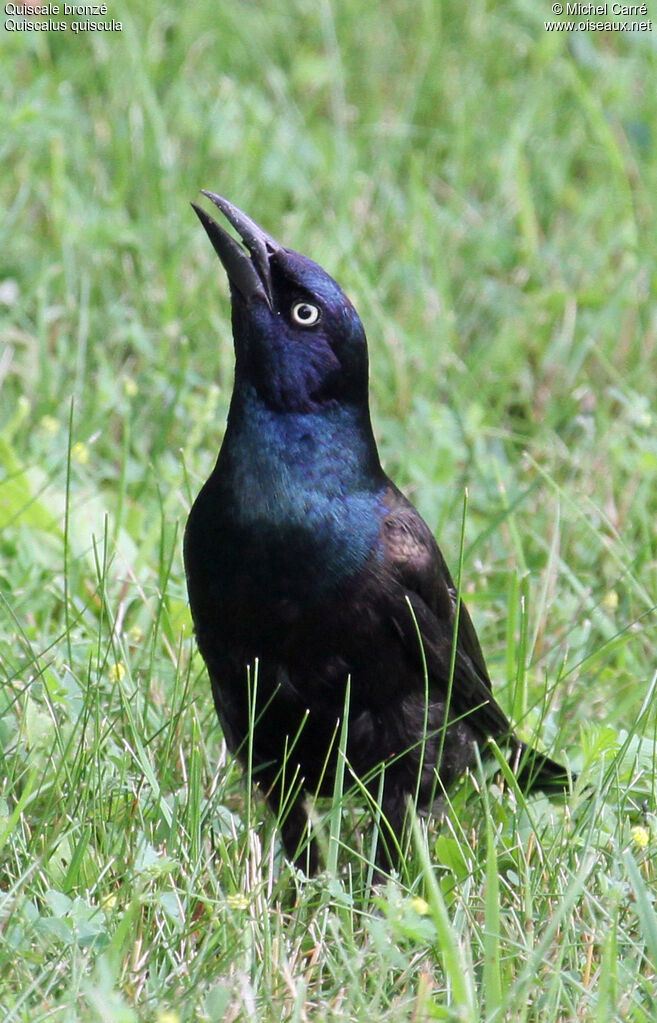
[306,567]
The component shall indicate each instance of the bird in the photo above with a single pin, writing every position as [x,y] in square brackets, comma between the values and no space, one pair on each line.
[322,605]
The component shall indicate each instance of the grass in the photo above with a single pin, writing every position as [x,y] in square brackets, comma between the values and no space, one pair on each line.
[485,192]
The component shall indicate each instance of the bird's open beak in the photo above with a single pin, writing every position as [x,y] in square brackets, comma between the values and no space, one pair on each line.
[250,274]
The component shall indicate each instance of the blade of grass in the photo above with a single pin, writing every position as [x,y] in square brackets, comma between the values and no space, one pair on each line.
[338,788]
[492,978]
[450,948]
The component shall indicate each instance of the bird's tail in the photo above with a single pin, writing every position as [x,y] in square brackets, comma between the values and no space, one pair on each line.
[536,772]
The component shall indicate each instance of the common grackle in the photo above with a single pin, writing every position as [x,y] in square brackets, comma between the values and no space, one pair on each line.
[306,567]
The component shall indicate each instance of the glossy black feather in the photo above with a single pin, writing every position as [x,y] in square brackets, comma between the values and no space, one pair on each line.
[304,559]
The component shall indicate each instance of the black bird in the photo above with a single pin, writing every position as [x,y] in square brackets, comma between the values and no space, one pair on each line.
[306,567]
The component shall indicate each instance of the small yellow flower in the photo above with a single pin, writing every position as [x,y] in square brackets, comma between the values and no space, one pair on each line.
[130,387]
[80,453]
[640,836]
[419,905]
[50,425]
[135,635]
[109,902]
[237,901]
[117,672]
[610,600]
[167,1017]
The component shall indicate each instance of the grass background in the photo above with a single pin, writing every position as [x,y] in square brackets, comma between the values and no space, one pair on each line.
[485,191]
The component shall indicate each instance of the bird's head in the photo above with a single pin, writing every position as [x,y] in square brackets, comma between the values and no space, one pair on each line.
[298,340]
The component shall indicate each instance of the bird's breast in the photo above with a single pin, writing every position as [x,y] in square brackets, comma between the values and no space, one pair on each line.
[290,515]
[269,550]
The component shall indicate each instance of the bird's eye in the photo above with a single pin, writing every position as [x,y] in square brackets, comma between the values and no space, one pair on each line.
[305,314]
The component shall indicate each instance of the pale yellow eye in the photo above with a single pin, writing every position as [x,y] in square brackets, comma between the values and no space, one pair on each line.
[305,314]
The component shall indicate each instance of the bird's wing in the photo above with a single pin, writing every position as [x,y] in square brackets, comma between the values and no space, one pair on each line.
[415,559]
[470,696]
